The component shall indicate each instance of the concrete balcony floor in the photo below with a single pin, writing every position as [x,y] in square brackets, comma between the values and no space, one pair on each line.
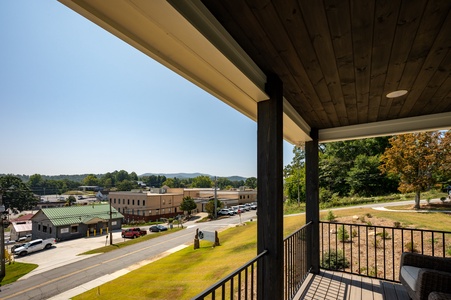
[343,286]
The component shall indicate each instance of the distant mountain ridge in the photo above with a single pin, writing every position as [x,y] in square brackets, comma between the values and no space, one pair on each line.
[80,177]
[191,175]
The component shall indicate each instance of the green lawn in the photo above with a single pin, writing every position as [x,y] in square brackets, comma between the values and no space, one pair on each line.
[128,242]
[16,270]
[185,273]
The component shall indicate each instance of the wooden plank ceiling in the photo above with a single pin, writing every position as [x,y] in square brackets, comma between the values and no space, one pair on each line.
[339,59]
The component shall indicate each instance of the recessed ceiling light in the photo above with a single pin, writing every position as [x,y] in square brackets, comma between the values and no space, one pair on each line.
[398,93]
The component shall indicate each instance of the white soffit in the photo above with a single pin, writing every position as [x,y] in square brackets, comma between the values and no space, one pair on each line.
[199,50]
[441,121]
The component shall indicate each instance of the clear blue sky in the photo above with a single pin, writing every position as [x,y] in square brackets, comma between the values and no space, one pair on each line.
[76,100]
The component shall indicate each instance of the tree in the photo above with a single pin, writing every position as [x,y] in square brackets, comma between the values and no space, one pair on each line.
[169,182]
[16,195]
[339,162]
[202,181]
[210,207]
[188,205]
[295,186]
[91,180]
[70,200]
[297,162]
[445,158]
[251,182]
[415,159]
[365,178]
[127,185]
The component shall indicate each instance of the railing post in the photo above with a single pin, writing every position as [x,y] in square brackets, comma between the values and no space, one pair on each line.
[312,200]
[270,191]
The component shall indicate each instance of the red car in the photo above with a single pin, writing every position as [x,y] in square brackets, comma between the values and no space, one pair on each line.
[133,233]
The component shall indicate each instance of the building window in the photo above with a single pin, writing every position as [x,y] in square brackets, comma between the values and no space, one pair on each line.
[39,227]
[50,230]
[170,201]
[74,229]
[118,209]
[137,212]
[133,202]
[144,213]
[164,201]
[128,201]
[44,228]
[138,202]
[144,202]
[114,200]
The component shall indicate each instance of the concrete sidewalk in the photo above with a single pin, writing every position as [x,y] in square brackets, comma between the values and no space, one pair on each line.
[67,252]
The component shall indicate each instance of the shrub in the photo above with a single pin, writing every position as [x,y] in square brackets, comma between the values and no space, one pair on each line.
[410,246]
[369,215]
[397,224]
[384,235]
[334,260]
[354,233]
[342,234]
[331,217]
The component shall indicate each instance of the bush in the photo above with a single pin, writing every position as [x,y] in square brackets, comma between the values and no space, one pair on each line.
[410,247]
[331,217]
[334,260]
[397,224]
[384,235]
[342,234]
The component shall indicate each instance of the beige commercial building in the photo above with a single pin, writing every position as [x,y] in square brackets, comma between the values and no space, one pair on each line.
[158,203]
[147,205]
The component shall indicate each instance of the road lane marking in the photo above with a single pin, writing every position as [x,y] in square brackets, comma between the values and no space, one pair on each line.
[90,267]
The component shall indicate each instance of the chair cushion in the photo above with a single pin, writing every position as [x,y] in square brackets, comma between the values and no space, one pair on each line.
[410,275]
[439,296]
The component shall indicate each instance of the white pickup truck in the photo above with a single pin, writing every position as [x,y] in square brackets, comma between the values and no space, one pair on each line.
[34,246]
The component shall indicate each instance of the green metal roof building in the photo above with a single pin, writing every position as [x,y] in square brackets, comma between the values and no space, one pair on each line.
[71,222]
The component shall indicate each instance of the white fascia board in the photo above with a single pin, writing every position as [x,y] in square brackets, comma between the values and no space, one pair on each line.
[295,130]
[440,121]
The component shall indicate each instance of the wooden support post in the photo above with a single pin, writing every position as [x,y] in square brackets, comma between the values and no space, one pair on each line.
[270,192]
[312,200]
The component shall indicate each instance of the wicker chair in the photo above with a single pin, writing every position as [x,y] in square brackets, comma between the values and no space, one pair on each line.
[422,274]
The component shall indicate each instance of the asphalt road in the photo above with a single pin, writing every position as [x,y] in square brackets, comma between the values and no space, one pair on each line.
[59,276]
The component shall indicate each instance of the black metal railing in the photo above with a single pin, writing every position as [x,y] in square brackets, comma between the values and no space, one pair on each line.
[375,251]
[240,284]
[295,260]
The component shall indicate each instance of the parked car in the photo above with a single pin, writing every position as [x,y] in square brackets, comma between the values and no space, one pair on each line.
[33,246]
[226,212]
[157,228]
[253,205]
[133,233]
[17,246]
[242,208]
[24,238]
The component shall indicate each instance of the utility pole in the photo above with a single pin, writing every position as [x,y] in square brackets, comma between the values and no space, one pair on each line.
[110,225]
[216,213]
[2,240]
